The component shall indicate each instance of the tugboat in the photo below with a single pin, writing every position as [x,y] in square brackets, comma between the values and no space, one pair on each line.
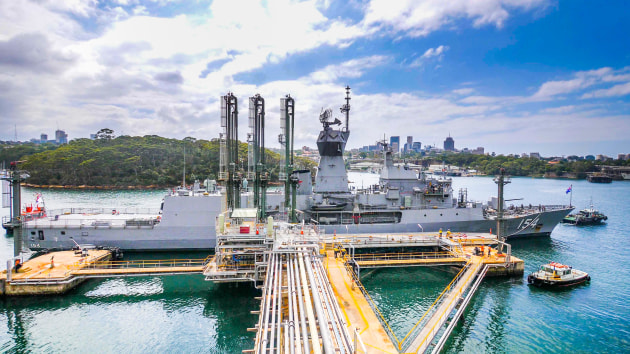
[589,216]
[557,275]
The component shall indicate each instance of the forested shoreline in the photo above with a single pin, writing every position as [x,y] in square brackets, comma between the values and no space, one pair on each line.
[151,161]
[122,162]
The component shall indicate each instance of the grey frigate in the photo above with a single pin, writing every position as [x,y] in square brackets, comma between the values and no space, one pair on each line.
[402,201]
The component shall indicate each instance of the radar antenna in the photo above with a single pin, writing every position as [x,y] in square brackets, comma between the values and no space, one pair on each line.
[325,115]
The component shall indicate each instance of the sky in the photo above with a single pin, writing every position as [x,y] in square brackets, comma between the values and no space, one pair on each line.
[512,76]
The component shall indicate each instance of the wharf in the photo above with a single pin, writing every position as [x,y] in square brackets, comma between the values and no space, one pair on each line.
[49,273]
[58,272]
[312,297]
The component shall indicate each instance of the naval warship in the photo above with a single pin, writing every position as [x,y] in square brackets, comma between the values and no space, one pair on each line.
[402,201]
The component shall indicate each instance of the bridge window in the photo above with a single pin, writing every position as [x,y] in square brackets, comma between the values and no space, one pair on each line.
[40,234]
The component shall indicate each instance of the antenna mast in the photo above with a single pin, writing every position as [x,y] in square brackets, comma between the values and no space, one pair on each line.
[346,109]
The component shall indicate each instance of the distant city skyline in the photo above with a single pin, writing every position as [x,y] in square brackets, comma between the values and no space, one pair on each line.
[61,137]
[511,76]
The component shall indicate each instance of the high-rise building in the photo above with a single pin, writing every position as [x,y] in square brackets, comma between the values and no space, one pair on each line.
[449,144]
[61,137]
[409,144]
[478,151]
[43,138]
[417,146]
[394,142]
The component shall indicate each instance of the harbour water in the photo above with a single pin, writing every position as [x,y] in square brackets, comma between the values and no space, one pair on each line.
[188,315]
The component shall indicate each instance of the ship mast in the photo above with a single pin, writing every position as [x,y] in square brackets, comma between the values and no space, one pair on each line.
[346,109]
[501,180]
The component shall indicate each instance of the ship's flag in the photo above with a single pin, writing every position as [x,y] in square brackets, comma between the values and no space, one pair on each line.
[569,189]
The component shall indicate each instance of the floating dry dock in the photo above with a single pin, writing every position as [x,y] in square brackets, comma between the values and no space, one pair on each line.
[312,298]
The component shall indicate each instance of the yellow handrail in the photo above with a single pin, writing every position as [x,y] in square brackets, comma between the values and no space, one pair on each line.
[362,288]
[449,305]
[437,300]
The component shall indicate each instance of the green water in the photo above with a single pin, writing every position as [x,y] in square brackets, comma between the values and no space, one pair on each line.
[185,314]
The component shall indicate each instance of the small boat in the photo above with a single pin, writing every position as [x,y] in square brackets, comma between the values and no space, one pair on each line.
[589,216]
[557,275]
[29,213]
[599,178]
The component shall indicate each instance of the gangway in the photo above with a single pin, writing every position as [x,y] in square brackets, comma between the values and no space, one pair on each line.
[456,295]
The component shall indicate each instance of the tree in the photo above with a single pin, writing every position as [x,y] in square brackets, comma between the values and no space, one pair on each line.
[105,134]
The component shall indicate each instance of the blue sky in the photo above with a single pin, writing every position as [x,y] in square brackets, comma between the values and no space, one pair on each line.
[513,76]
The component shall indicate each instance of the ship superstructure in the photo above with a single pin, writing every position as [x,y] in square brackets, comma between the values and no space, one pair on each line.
[403,200]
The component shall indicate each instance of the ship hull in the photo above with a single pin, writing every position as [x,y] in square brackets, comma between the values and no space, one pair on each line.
[457,220]
[180,237]
[188,223]
[184,223]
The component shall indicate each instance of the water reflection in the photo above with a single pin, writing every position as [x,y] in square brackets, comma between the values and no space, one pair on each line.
[156,314]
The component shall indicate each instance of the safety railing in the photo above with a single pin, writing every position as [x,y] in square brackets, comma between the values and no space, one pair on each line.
[401,256]
[372,303]
[138,264]
[410,339]
[93,211]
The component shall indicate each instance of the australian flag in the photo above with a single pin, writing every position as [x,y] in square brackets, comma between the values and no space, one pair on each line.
[569,189]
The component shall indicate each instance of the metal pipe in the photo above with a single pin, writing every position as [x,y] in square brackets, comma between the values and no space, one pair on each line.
[270,303]
[291,304]
[301,309]
[286,339]
[264,317]
[317,349]
[337,310]
[296,307]
[330,307]
[273,305]
[326,339]
[279,303]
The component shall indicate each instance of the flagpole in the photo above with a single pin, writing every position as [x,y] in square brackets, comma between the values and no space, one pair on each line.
[571,196]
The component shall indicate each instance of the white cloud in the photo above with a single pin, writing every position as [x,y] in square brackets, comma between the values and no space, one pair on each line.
[420,17]
[581,81]
[82,8]
[463,91]
[617,90]
[142,74]
[435,54]
[349,69]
